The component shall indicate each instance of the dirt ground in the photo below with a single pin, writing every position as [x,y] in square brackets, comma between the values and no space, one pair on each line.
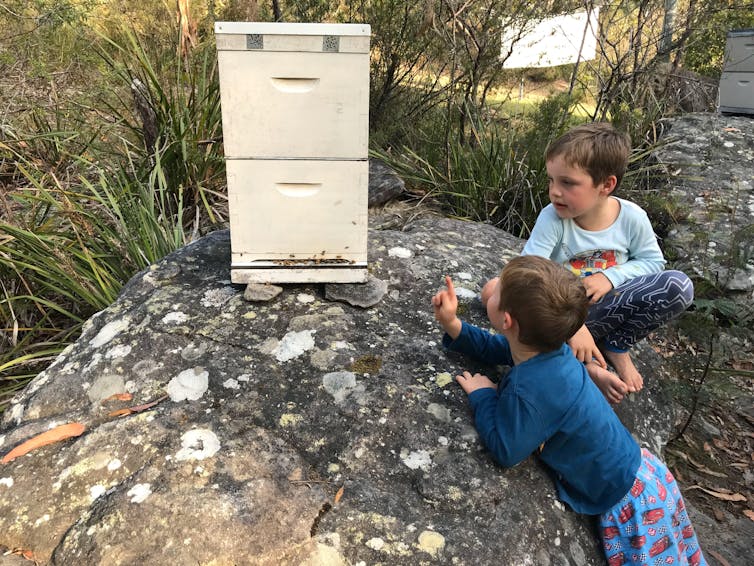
[712,454]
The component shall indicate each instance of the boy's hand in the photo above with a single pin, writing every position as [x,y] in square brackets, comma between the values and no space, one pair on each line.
[445,305]
[597,286]
[584,348]
[471,383]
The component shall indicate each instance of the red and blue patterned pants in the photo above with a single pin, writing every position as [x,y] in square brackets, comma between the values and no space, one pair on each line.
[650,525]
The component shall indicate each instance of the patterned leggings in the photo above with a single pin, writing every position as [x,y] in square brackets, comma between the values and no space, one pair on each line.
[637,307]
[650,525]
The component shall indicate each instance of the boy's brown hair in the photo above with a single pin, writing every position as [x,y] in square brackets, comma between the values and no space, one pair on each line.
[597,148]
[548,302]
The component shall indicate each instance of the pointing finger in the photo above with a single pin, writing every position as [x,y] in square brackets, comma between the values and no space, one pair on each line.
[449,285]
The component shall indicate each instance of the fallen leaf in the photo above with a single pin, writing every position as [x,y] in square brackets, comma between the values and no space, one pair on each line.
[136,408]
[720,559]
[720,494]
[705,470]
[339,494]
[296,475]
[749,513]
[56,434]
[24,552]
[719,515]
[120,397]
[119,413]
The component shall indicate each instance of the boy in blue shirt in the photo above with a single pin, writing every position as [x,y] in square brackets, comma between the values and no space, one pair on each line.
[548,400]
[609,242]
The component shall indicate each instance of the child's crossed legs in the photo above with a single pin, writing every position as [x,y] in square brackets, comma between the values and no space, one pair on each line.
[629,313]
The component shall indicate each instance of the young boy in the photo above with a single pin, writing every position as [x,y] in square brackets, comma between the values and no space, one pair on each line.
[548,399]
[610,244]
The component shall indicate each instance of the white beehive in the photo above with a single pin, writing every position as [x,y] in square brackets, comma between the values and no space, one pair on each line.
[737,79]
[295,109]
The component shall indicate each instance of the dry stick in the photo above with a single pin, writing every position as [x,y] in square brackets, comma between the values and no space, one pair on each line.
[697,391]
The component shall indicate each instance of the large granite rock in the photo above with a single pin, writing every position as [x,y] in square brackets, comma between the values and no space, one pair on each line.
[296,431]
[710,158]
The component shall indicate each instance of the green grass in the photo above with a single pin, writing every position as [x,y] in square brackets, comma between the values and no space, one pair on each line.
[90,204]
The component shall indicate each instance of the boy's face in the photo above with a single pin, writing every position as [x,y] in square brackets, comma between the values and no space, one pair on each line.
[496,316]
[572,190]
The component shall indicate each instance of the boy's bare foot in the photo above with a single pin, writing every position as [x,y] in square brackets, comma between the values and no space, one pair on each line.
[611,385]
[625,369]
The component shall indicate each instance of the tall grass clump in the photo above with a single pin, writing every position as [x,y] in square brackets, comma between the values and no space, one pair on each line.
[65,253]
[497,175]
[86,207]
[170,111]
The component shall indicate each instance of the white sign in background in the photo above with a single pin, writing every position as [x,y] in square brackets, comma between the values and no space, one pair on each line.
[553,41]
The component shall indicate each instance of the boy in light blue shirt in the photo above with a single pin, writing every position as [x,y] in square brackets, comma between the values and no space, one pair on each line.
[608,242]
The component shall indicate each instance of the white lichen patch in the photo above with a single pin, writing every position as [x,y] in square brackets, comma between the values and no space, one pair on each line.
[109,331]
[175,317]
[119,351]
[443,379]
[431,542]
[464,276]
[198,444]
[375,543]
[231,383]
[139,492]
[417,459]
[43,519]
[93,362]
[440,412]
[293,345]
[15,413]
[7,482]
[305,298]
[399,252]
[96,491]
[190,384]
[113,465]
[217,297]
[343,384]
[244,377]
[105,386]
[464,293]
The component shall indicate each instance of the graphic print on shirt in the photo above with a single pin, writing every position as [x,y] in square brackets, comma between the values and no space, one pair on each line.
[591,262]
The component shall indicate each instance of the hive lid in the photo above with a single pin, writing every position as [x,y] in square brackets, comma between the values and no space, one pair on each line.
[741,32]
[284,28]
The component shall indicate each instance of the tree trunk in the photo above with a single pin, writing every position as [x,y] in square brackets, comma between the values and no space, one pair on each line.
[668,24]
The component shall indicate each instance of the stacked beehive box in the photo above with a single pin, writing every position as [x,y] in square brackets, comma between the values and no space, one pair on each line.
[737,79]
[295,110]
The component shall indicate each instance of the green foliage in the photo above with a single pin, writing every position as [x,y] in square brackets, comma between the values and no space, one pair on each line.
[706,45]
[69,251]
[94,205]
[175,133]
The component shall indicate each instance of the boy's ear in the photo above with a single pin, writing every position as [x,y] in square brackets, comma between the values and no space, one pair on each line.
[608,185]
[508,320]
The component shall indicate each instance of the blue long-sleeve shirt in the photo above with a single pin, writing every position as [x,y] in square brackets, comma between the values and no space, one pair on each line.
[550,398]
